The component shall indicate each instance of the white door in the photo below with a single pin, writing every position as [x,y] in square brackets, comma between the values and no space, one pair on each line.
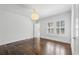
[75,29]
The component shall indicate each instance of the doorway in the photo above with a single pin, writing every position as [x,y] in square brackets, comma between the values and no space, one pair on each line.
[75,29]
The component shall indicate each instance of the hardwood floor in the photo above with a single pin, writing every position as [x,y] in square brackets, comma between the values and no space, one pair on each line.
[25,47]
[50,47]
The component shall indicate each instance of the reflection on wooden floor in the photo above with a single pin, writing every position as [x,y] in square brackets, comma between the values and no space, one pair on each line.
[25,47]
[55,48]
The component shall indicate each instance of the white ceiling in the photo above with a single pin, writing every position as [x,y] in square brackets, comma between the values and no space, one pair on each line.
[44,10]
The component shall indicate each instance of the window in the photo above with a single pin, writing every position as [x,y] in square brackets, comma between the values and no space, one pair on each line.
[60,25]
[50,27]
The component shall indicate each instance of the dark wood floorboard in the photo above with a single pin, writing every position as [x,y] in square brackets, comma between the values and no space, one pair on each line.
[25,47]
[49,47]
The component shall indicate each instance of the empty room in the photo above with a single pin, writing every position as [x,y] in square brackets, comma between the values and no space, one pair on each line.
[39,29]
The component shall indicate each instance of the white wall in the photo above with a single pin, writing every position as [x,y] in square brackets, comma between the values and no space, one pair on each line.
[66,16]
[14,27]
